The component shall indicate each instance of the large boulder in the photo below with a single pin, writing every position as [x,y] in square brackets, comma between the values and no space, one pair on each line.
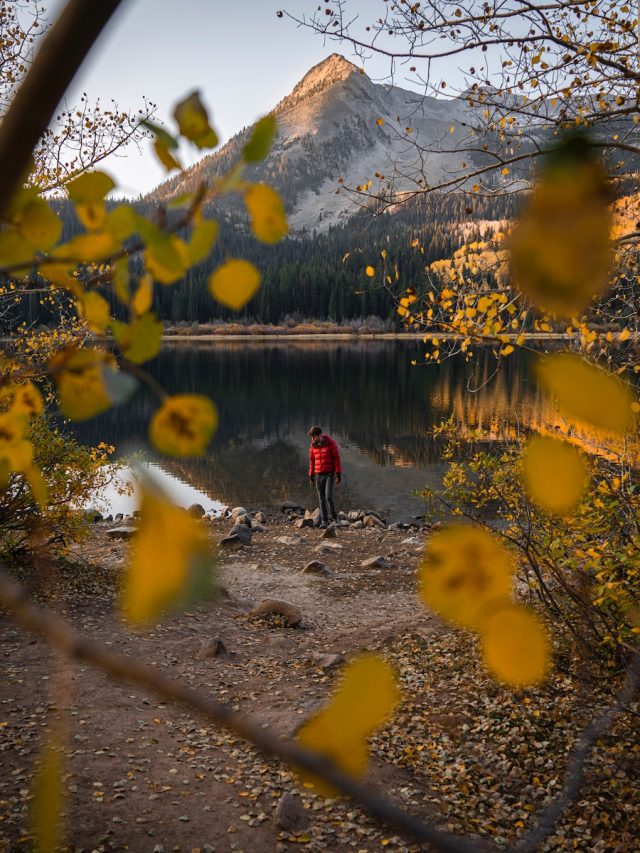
[238,510]
[92,515]
[291,615]
[196,510]
[243,532]
[211,648]
[329,533]
[260,517]
[290,506]
[373,521]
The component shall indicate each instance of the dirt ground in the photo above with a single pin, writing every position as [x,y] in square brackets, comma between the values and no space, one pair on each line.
[145,775]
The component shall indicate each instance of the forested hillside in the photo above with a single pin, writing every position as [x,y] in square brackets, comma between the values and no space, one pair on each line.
[314,276]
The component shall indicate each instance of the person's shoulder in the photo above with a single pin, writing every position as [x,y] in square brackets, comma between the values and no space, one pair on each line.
[330,439]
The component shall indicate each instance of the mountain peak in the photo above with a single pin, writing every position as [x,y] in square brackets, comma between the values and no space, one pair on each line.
[331,70]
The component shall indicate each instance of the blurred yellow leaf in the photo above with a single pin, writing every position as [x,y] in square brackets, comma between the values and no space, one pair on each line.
[464,569]
[370,271]
[515,647]
[167,259]
[37,484]
[555,474]
[266,212]
[97,246]
[365,699]
[261,139]
[27,400]
[165,156]
[184,425]
[170,563]
[193,122]
[560,249]
[95,309]
[141,339]
[88,192]
[143,297]
[15,450]
[39,225]
[48,800]
[79,378]
[203,237]
[587,393]
[234,283]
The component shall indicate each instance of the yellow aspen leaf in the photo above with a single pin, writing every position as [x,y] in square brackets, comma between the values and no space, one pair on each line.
[560,248]
[379,122]
[365,699]
[143,297]
[167,259]
[370,271]
[587,393]
[27,400]
[261,139]
[506,350]
[48,799]
[266,213]
[463,570]
[170,563]
[38,225]
[624,335]
[37,484]
[515,647]
[97,246]
[555,474]
[122,222]
[79,378]
[484,303]
[95,309]
[140,340]
[90,187]
[15,450]
[193,122]
[165,156]
[184,425]
[505,171]
[234,283]
[14,249]
[203,236]
[121,280]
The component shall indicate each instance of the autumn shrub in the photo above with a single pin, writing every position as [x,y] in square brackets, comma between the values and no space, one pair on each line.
[583,568]
[72,473]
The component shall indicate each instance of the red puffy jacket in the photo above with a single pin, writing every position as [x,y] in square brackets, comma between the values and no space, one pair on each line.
[324,458]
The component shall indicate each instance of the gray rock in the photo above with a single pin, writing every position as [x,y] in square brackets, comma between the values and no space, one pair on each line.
[118,516]
[231,541]
[290,505]
[376,563]
[211,648]
[343,515]
[373,521]
[291,615]
[412,540]
[329,533]
[109,518]
[196,510]
[121,532]
[354,515]
[290,815]
[92,515]
[256,527]
[357,525]
[315,517]
[326,661]
[328,547]
[375,513]
[260,517]
[303,522]
[224,510]
[238,510]
[243,532]
[315,567]
[292,540]
[244,519]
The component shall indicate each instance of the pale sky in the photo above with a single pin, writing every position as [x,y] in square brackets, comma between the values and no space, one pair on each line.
[241,56]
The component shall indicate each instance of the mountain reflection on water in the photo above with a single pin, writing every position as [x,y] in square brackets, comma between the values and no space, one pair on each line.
[367,394]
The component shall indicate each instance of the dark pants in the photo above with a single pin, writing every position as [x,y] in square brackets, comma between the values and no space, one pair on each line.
[324,487]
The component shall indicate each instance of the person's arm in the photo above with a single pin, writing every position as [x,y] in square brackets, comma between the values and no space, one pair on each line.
[312,461]
[336,460]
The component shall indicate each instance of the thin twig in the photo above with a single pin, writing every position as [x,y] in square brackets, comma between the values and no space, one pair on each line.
[54,67]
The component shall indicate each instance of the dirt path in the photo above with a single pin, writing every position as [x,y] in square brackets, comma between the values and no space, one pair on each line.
[142,773]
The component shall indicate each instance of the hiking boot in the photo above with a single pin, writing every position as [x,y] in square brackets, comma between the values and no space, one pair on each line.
[323,525]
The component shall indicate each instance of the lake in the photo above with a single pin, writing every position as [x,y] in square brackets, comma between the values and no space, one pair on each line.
[366,394]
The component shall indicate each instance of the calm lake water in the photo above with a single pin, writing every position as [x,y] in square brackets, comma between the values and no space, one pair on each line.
[366,394]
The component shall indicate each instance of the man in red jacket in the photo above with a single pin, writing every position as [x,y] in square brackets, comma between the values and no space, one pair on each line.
[324,469]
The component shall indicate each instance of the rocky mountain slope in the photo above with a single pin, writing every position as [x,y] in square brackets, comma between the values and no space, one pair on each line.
[329,128]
